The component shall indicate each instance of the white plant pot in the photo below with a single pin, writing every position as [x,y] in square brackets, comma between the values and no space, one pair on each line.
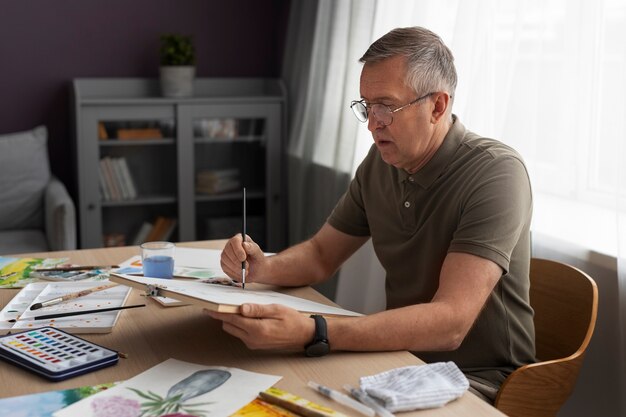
[177,81]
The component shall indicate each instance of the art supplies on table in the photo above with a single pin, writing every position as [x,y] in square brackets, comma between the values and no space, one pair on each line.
[225,299]
[16,272]
[179,387]
[19,307]
[65,276]
[55,354]
[260,408]
[342,399]
[298,405]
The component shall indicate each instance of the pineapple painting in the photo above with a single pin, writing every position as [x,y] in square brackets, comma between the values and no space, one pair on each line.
[174,404]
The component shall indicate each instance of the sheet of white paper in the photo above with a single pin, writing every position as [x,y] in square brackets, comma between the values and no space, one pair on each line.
[207,391]
[222,294]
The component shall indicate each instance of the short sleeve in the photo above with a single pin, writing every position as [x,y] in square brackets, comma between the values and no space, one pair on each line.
[349,215]
[496,211]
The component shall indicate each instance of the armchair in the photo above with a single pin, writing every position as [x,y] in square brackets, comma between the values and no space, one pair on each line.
[36,211]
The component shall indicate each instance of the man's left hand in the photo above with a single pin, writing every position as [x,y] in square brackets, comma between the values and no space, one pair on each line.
[268,326]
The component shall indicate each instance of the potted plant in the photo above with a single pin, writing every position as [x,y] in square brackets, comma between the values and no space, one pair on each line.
[178,69]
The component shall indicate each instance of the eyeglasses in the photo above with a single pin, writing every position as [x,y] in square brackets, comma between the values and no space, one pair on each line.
[382,113]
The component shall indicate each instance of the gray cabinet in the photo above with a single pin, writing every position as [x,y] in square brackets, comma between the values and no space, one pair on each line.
[185,160]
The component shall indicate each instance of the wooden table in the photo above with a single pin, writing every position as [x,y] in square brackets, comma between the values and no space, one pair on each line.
[153,334]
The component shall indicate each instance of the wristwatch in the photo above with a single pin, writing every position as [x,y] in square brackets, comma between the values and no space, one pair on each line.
[319,345]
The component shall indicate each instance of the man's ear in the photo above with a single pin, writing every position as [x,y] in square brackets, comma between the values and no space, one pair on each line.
[442,101]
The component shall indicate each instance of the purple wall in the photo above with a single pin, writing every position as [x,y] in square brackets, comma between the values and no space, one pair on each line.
[45,44]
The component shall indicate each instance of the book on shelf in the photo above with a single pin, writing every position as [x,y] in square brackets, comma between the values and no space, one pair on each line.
[128,179]
[104,188]
[139,133]
[142,233]
[108,179]
[119,180]
[162,229]
[116,180]
[102,131]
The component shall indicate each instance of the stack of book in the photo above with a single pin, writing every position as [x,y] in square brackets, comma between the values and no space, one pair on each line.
[162,229]
[116,182]
[217,181]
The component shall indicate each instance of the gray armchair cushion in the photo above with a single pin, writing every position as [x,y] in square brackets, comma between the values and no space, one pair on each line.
[22,241]
[60,217]
[24,174]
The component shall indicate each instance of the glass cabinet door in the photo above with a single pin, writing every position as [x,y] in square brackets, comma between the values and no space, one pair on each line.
[224,148]
[135,183]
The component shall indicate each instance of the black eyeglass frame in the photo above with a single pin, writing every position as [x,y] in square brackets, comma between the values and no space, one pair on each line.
[369,106]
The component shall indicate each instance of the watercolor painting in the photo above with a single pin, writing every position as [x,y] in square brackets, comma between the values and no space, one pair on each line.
[45,403]
[176,389]
[15,272]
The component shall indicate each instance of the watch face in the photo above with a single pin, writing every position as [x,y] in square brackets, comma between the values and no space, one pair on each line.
[319,348]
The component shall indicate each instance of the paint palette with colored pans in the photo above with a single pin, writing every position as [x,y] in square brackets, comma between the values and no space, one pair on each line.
[55,354]
[19,306]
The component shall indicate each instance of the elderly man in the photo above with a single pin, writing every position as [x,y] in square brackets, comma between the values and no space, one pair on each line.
[448,212]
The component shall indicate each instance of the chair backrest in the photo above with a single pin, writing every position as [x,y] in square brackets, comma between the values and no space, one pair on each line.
[565,300]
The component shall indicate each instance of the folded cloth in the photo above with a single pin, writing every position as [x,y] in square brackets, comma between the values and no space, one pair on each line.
[416,387]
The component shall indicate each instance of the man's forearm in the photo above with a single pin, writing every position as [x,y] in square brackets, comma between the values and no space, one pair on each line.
[296,266]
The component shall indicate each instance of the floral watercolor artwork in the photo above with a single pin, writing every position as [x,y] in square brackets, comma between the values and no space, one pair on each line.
[176,389]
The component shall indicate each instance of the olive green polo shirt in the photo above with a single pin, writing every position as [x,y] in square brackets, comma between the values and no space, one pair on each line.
[473,196]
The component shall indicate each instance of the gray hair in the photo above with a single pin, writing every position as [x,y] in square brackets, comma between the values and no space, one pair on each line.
[430,64]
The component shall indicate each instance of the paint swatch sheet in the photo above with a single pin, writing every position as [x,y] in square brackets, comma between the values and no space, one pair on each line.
[19,307]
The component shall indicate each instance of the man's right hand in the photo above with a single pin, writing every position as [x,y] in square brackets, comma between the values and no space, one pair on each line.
[235,252]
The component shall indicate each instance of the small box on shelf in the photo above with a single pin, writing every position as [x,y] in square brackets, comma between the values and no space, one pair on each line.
[215,128]
[215,181]
[114,239]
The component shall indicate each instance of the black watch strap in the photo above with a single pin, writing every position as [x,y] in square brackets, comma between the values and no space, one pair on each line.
[319,346]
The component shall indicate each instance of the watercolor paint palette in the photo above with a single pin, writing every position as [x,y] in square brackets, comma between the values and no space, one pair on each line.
[55,354]
[19,307]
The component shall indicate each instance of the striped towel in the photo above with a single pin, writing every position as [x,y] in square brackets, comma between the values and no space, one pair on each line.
[416,387]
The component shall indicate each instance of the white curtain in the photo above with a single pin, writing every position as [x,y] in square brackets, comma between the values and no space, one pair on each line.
[325,40]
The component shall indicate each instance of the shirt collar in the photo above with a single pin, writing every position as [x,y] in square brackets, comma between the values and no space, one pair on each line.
[426,175]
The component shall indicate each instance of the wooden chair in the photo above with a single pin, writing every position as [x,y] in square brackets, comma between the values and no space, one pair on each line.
[565,300]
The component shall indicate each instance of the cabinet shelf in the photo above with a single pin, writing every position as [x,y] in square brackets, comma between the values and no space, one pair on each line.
[143,200]
[250,195]
[229,135]
[142,142]
[230,140]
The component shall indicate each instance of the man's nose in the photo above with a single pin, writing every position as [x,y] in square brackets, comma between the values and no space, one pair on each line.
[373,123]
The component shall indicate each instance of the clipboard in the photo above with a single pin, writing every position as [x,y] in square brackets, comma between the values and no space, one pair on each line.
[224,299]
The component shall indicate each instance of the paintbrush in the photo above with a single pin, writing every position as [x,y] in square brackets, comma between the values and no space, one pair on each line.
[71,296]
[74,313]
[75,268]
